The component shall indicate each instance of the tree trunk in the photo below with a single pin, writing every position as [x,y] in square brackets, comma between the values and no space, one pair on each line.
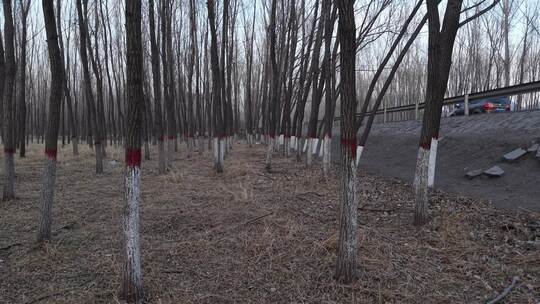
[346,266]
[88,88]
[274,81]
[168,85]
[25,8]
[2,85]
[9,88]
[71,113]
[131,286]
[216,90]
[440,48]
[51,141]
[162,160]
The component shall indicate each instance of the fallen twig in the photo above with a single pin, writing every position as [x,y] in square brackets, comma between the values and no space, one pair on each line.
[10,246]
[173,271]
[253,220]
[264,175]
[305,199]
[506,291]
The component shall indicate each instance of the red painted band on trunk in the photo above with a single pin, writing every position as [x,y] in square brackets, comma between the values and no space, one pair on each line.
[133,157]
[425,146]
[351,143]
[9,151]
[171,137]
[51,153]
[161,138]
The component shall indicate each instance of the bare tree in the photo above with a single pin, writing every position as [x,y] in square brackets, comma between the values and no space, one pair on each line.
[162,159]
[51,141]
[89,96]
[216,89]
[131,288]
[67,93]
[346,265]
[440,50]
[25,9]
[273,85]
[9,88]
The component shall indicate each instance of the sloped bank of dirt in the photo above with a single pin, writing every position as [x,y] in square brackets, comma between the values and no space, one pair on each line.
[248,236]
[468,143]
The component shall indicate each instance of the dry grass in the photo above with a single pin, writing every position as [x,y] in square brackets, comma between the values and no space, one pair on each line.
[248,236]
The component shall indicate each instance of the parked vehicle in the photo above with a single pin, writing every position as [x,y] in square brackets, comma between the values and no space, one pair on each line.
[489,105]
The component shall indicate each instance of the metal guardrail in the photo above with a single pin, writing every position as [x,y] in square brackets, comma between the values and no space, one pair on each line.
[500,92]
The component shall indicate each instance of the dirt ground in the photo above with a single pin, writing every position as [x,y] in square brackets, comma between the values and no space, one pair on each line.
[248,236]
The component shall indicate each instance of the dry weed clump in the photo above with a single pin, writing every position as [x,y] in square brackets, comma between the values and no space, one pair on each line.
[249,236]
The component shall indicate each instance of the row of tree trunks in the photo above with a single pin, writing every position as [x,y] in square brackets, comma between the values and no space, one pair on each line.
[89,96]
[156,76]
[67,93]
[216,90]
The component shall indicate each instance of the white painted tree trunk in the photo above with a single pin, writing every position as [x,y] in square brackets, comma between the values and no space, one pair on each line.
[315,145]
[300,148]
[75,143]
[432,162]
[132,275]
[294,145]
[222,151]
[189,147]
[170,151]
[99,158]
[421,187]
[309,152]
[215,149]
[348,221]
[359,151]
[326,155]
[47,196]
[321,149]
[269,148]
[217,154]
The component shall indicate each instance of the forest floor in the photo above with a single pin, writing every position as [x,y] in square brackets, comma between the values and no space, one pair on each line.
[248,236]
